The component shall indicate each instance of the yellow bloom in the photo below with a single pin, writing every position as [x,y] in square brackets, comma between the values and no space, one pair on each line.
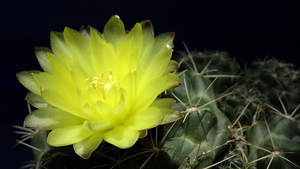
[101,86]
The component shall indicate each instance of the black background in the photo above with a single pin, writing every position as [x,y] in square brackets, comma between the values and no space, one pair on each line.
[246,29]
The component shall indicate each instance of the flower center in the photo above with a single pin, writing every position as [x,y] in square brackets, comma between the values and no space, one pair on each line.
[103,83]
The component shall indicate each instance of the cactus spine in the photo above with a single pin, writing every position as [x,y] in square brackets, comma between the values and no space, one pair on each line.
[233,118]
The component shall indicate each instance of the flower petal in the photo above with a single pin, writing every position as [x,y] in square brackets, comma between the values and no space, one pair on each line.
[127,56]
[85,147]
[119,112]
[78,45]
[41,54]
[85,31]
[69,104]
[143,133]
[68,135]
[58,44]
[113,96]
[121,136]
[89,112]
[172,81]
[129,86]
[59,67]
[99,47]
[50,118]
[54,92]
[147,94]
[163,41]
[158,65]
[172,66]
[147,46]
[144,120]
[163,103]
[103,111]
[102,86]
[162,50]
[97,125]
[26,79]
[114,30]
[36,100]
[170,115]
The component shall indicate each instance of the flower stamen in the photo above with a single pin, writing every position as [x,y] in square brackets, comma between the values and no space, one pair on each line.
[103,84]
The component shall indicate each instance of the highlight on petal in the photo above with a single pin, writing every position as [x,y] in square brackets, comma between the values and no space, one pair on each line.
[170,115]
[58,44]
[85,31]
[144,120]
[99,46]
[68,135]
[69,106]
[26,79]
[172,81]
[148,94]
[85,147]
[36,100]
[172,66]
[50,118]
[163,103]
[164,41]
[114,30]
[97,125]
[41,54]
[158,65]
[121,136]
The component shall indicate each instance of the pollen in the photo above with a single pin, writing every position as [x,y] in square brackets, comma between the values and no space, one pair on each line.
[103,83]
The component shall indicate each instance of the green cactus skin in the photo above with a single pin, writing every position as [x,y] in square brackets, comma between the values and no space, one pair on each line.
[276,136]
[233,118]
[39,141]
[212,64]
[203,128]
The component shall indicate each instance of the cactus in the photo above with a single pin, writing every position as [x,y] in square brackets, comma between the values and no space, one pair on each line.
[232,117]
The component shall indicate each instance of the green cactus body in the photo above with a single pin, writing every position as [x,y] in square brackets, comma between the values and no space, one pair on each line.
[202,129]
[39,141]
[277,136]
[233,118]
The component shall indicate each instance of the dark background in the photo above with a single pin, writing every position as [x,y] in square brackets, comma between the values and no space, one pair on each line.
[246,29]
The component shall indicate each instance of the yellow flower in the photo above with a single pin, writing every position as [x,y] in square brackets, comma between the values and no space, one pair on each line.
[101,86]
